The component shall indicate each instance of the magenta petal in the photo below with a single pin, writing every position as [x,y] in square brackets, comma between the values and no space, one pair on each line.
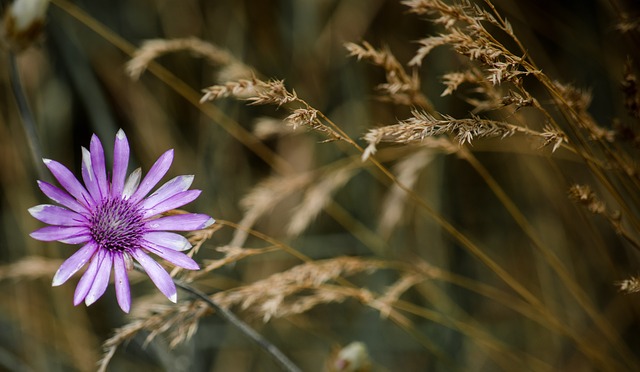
[61,197]
[69,182]
[120,164]
[168,240]
[88,176]
[175,257]
[101,281]
[169,189]
[86,282]
[180,222]
[178,200]
[74,263]
[123,293]
[54,215]
[99,169]
[158,275]
[157,171]
[51,233]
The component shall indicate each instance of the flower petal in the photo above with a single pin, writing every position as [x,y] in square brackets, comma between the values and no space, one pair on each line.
[51,233]
[178,200]
[167,240]
[132,183]
[77,239]
[86,282]
[180,222]
[101,281]
[74,263]
[54,215]
[157,171]
[169,189]
[157,274]
[175,257]
[99,169]
[88,175]
[69,182]
[123,293]
[120,164]
[61,197]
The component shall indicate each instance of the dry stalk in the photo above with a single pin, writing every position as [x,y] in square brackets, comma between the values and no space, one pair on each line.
[385,302]
[400,88]
[407,171]
[231,255]
[631,285]
[299,288]
[30,268]
[153,49]
[263,198]
[423,125]
[318,194]
[583,195]
[274,92]
[180,322]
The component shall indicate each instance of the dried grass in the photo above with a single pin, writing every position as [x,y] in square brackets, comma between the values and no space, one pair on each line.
[505,313]
[153,49]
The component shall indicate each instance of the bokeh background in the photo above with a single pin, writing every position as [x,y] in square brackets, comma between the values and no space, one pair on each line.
[76,85]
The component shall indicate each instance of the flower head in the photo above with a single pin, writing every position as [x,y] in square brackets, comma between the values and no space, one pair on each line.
[117,222]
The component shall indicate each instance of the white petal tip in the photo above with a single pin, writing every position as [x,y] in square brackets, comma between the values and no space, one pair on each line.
[89,300]
[209,222]
[173,298]
[120,135]
[36,209]
[46,161]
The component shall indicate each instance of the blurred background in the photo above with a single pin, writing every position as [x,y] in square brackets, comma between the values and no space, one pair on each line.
[75,83]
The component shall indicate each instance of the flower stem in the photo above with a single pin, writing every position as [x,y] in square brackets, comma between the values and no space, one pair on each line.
[285,363]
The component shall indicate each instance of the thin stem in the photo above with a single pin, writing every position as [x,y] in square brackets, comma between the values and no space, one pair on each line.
[278,356]
[28,120]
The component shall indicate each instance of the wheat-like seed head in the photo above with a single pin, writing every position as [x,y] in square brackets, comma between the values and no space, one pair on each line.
[153,49]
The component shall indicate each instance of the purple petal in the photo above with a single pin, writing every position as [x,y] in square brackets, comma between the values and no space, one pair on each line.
[169,189]
[180,222]
[69,182]
[167,240]
[120,164]
[157,171]
[51,233]
[101,281]
[86,282]
[88,175]
[158,275]
[61,197]
[74,263]
[54,215]
[123,293]
[99,169]
[178,200]
[132,183]
[77,239]
[177,258]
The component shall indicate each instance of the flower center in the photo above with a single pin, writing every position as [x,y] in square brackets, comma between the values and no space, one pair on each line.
[117,225]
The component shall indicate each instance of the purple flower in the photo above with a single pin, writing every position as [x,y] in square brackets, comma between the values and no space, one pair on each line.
[117,222]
